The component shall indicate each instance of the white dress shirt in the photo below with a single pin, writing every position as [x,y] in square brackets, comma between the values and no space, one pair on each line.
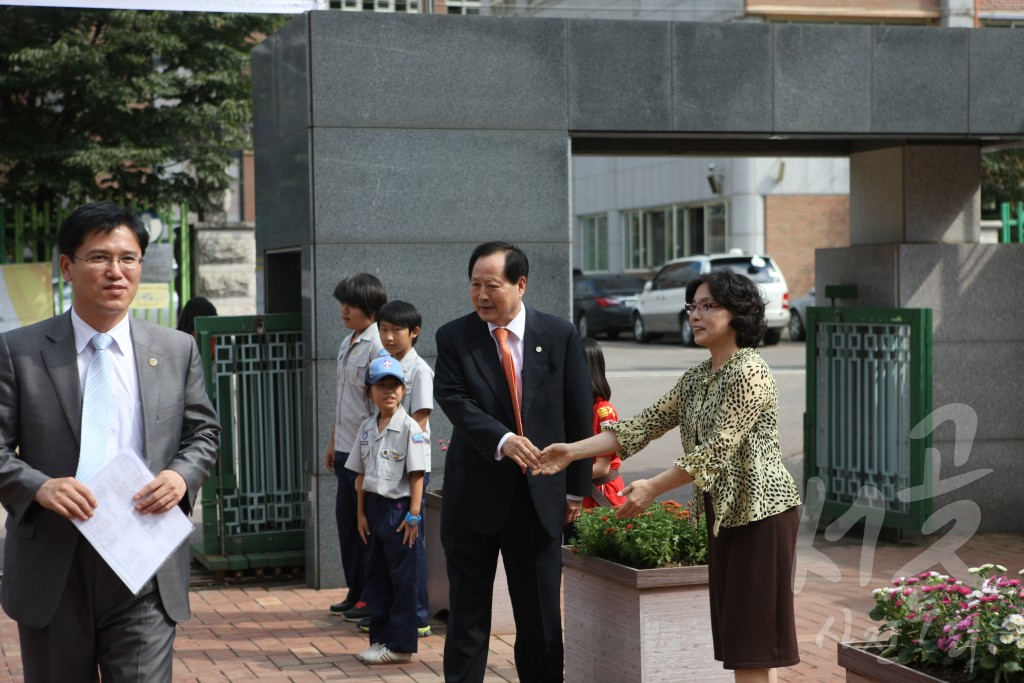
[126,427]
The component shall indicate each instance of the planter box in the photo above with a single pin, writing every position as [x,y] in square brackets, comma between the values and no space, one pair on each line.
[502,622]
[624,624]
[864,666]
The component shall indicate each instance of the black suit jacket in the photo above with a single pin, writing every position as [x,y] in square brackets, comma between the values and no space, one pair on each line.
[470,388]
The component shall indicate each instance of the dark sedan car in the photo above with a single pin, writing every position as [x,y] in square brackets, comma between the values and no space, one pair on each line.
[603,304]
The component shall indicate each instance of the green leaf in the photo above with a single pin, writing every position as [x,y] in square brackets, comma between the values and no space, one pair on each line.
[146,106]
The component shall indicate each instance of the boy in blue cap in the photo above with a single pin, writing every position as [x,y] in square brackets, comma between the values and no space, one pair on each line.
[399,325]
[393,457]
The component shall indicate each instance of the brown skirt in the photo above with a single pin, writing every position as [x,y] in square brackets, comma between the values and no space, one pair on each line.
[751,570]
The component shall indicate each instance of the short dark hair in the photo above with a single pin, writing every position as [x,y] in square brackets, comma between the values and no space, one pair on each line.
[595,363]
[516,263]
[196,307]
[400,314]
[740,295]
[102,217]
[364,291]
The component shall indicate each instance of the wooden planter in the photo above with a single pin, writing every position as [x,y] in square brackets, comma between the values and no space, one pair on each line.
[864,666]
[645,625]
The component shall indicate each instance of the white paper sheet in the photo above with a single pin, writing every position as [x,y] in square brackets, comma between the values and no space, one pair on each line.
[133,544]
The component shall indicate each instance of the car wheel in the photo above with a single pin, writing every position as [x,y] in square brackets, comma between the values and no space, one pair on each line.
[686,332]
[772,336]
[583,326]
[796,327]
[639,330]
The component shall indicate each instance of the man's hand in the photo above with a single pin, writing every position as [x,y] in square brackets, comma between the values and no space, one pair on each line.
[68,497]
[554,459]
[639,495]
[363,525]
[161,494]
[572,510]
[522,451]
[329,458]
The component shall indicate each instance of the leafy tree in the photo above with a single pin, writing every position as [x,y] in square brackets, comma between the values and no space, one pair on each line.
[1002,179]
[127,105]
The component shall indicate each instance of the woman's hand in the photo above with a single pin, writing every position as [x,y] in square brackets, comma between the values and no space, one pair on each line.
[639,495]
[554,459]
[364,528]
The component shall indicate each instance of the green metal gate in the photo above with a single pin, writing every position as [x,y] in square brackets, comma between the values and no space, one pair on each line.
[254,504]
[869,383]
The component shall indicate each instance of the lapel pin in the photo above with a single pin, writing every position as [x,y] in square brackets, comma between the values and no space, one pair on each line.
[539,349]
[152,362]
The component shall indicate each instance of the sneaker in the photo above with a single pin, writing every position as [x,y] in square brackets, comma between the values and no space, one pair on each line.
[370,652]
[360,611]
[340,608]
[423,631]
[382,655]
[364,625]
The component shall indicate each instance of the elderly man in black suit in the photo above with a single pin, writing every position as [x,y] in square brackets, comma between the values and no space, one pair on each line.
[511,380]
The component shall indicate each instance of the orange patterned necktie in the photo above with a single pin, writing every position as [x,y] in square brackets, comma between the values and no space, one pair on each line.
[507,364]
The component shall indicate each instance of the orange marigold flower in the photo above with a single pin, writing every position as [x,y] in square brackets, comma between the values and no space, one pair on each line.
[629,526]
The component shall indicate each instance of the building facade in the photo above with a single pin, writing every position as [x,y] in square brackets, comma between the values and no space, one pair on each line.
[634,214]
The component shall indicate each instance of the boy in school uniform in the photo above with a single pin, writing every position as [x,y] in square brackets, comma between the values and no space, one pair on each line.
[360,297]
[399,325]
[393,456]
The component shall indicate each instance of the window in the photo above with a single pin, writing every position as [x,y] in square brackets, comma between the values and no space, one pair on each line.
[702,229]
[714,228]
[594,239]
[653,236]
[463,6]
[636,246]
[376,5]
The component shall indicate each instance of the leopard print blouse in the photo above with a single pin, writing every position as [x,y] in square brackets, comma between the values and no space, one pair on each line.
[729,427]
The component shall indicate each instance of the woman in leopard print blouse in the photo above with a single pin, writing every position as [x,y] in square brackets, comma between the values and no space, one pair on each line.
[727,412]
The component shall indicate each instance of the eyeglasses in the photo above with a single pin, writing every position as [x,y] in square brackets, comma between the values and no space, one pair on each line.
[704,307]
[126,262]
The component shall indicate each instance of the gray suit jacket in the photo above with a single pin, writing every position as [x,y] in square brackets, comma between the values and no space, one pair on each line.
[40,428]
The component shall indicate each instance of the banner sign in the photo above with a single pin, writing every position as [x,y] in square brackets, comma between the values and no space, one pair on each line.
[26,294]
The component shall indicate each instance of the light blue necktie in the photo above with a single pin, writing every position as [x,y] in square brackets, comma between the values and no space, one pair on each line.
[97,406]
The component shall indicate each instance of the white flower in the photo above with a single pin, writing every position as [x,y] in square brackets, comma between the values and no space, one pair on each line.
[1006,638]
[1000,567]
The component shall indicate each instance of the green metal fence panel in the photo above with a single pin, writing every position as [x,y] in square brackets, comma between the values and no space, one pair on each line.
[254,504]
[1013,227]
[869,374]
[29,234]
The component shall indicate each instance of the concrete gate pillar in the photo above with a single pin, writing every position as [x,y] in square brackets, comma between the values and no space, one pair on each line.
[914,234]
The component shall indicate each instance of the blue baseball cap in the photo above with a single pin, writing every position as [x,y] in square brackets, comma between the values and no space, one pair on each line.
[384,366]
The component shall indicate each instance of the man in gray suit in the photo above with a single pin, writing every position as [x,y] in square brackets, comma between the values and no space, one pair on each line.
[75,616]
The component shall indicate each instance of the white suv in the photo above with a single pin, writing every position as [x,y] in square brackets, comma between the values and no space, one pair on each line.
[659,308]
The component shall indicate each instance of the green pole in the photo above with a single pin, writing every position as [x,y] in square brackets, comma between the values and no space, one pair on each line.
[1020,222]
[1004,233]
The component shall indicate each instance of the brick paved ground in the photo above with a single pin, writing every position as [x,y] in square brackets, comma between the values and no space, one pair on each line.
[277,632]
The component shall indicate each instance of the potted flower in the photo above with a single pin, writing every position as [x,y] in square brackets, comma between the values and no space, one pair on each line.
[636,598]
[936,627]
